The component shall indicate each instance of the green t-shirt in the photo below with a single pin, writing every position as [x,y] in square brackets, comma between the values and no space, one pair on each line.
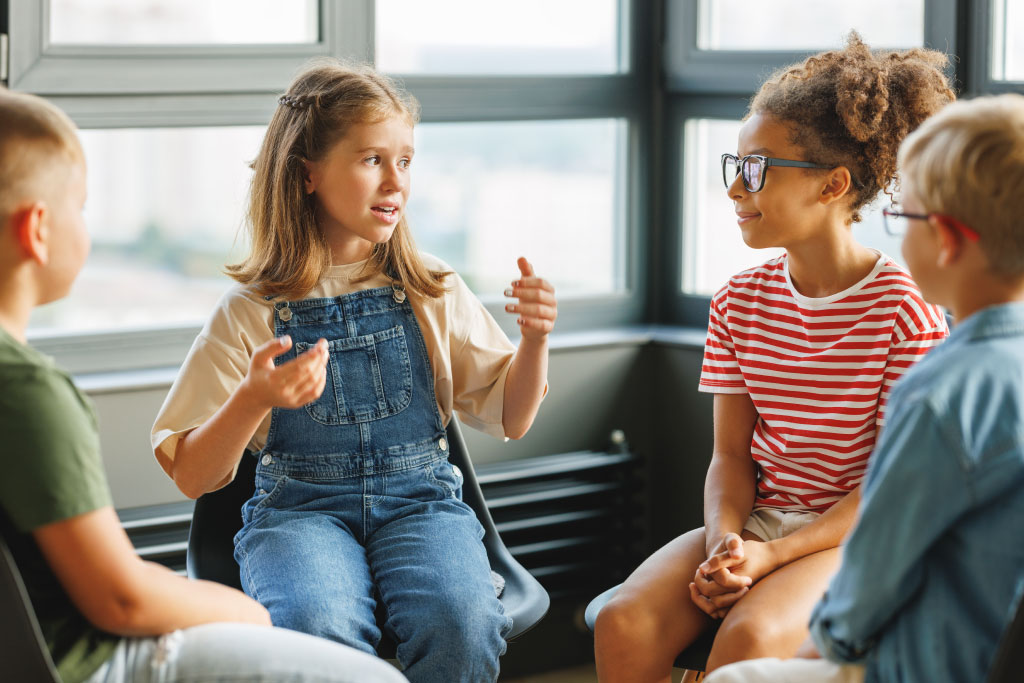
[52,471]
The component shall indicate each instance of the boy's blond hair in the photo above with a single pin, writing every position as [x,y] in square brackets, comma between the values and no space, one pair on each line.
[34,135]
[967,162]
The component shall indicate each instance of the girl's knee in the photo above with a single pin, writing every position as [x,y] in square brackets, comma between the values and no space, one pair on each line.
[622,619]
[745,636]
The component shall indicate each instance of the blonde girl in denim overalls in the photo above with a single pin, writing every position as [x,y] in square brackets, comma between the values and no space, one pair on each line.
[337,363]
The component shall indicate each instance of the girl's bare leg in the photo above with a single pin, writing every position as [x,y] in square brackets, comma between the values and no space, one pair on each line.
[651,618]
[771,620]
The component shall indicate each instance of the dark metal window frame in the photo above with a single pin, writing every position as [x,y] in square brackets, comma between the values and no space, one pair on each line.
[167,86]
[718,84]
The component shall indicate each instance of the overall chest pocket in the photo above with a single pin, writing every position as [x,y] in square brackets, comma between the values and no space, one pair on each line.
[369,377]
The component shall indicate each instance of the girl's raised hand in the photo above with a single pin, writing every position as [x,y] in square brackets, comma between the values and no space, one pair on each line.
[537,307]
[289,385]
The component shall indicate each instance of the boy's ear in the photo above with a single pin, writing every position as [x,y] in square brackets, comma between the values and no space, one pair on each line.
[837,184]
[32,232]
[950,242]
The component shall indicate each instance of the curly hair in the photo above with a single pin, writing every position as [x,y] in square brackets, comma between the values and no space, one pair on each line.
[853,107]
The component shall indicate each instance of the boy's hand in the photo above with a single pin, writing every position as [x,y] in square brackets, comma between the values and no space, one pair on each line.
[537,307]
[289,385]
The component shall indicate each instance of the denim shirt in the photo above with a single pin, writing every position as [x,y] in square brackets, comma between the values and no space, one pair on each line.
[932,567]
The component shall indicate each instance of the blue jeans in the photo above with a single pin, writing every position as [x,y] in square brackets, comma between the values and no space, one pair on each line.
[216,653]
[403,536]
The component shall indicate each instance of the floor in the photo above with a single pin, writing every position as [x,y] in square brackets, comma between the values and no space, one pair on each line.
[580,674]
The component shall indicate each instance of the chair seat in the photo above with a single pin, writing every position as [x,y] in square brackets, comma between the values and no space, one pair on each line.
[694,658]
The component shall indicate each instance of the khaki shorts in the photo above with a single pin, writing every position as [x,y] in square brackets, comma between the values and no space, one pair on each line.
[769,524]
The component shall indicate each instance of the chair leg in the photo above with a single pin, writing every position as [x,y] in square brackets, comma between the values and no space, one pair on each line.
[690,676]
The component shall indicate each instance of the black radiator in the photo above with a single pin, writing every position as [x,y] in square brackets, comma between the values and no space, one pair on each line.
[576,521]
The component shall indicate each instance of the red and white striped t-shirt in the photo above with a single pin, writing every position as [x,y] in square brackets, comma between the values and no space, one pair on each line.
[818,371]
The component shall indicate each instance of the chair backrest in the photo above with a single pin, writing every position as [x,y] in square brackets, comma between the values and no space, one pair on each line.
[24,656]
[217,518]
[524,599]
[1009,660]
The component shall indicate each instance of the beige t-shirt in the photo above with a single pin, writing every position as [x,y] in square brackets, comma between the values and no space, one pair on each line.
[469,354]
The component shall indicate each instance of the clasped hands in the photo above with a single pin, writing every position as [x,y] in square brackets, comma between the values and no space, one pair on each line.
[732,567]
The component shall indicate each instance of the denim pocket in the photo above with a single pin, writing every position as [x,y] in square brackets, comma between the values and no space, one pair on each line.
[447,477]
[263,498]
[369,377]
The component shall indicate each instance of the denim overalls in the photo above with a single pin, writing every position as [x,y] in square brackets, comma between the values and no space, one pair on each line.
[355,499]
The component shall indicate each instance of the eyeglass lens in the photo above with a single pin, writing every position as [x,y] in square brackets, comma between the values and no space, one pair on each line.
[752,170]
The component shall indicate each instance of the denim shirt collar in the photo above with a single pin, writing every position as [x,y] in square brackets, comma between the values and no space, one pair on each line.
[1001,320]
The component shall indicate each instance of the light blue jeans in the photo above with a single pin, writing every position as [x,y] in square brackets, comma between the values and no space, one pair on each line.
[218,653]
[319,556]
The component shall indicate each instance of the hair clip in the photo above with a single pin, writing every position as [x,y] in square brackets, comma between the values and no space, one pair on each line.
[299,102]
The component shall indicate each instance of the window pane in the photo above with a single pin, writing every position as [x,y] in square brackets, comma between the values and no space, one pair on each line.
[713,249]
[163,210]
[166,206]
[798,25]
[183,22]
[1008,40]
[484,194]
[524,37]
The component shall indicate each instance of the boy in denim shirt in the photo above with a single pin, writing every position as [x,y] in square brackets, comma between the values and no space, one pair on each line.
[933,568]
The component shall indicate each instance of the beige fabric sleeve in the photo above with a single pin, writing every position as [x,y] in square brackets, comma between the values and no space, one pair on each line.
[481,356]
[216,364]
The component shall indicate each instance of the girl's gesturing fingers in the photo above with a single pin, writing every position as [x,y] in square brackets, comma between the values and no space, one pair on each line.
[537,306]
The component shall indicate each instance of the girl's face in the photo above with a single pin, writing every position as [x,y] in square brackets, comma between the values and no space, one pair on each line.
[787,209]
[361,187]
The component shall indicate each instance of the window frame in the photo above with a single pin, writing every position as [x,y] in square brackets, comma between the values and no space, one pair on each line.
[980,19]
[199,86]
[719,84]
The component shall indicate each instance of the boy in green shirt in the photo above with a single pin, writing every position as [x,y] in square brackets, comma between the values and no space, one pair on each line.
[106,614]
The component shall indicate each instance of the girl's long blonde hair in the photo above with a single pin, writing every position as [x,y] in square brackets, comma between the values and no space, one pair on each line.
[289,253]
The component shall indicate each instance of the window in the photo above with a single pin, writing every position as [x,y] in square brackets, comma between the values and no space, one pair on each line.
[712,248]
[717,53]
[485,193]
[164,210]
[182,22]
[1008,40]
[532,142]
[792,25]
[526,37]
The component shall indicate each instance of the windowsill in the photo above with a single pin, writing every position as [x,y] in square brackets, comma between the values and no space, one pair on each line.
[144,379]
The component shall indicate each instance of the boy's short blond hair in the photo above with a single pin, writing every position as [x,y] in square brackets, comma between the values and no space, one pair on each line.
[34,136]
[967,161]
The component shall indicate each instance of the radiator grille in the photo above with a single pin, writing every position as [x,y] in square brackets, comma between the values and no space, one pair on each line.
[574,520]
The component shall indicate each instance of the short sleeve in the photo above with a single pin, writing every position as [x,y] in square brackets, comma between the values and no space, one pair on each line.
[481,355]
[917,329]
[216,364]
[720,371]
[53,467]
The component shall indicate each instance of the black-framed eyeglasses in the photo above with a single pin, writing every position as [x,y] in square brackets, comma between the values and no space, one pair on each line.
[895,223]
[754,168]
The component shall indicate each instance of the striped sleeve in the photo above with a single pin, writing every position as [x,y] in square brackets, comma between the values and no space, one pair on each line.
[720,372]
[919,327]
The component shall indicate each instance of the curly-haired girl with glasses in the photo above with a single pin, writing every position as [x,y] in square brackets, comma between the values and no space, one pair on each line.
[801,353]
